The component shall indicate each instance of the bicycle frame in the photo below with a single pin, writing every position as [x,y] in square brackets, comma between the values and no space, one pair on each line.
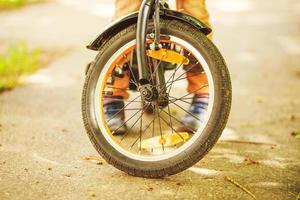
[147,8]
[147,11]
[146,88]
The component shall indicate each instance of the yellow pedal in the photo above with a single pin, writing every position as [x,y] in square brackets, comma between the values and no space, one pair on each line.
[167,140]
[168,56]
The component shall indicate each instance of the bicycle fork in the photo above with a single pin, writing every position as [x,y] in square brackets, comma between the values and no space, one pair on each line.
[155,91]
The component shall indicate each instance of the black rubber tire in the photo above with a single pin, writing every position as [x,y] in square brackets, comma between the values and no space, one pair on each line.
[211,133]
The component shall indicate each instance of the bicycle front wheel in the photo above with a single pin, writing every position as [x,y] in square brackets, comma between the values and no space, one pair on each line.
[157,140]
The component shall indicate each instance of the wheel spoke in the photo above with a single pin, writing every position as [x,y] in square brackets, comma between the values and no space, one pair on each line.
[112,87]
[118,99]
[126,122]
[170,118]
[173,75]
[130,68]
[192,131]
[128,130]
[130,81]
[135,141]
[173,130]
[156,68]
[122,108]
[176,99]
[152,121]
[206,85]
[153,131]
[196,74]
[150,69]
[141,129]
[185,110]
[126,109]
[160,130]
[178,77]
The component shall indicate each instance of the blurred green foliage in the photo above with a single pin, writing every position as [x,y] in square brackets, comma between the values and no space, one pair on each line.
[16,3]
[15,62]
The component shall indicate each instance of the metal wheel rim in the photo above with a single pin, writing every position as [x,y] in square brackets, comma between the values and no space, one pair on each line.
[96,104]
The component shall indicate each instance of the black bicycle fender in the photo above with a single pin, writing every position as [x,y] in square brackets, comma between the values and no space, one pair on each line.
[130,19]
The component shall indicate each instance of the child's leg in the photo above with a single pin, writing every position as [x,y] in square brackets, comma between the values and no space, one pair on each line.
[196,8]
[121,85]
[197,83]
[124,7]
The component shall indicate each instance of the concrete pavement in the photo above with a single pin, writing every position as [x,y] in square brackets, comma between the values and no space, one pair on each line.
[43,142]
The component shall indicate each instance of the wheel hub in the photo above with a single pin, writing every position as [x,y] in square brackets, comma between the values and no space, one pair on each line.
[149,93]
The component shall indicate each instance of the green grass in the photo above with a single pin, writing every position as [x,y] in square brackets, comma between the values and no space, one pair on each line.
[16,61]
[16,3]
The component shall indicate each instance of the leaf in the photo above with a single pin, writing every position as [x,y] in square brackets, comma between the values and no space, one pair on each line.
[296,134]
[92,194]
[259,100]
[67,175]
[96,159]
[249,161]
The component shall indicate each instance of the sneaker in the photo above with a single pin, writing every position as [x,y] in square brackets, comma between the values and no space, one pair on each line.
[198,109]
[115,116]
